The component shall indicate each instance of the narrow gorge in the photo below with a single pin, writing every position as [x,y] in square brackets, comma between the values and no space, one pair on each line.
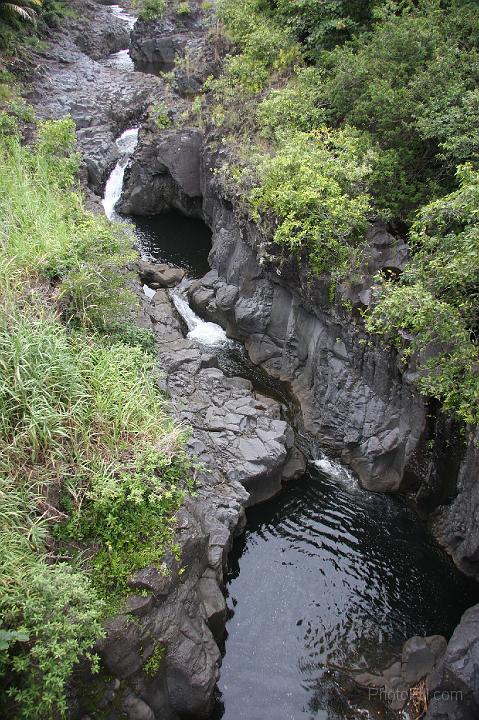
[326,562]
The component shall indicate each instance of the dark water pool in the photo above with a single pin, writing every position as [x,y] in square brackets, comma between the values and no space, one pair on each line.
[328,577]
[176,239]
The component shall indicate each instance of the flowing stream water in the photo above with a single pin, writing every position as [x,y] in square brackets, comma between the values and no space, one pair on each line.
[327,578]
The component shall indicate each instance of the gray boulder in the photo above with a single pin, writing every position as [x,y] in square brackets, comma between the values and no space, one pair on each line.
[454,687]
[158,275]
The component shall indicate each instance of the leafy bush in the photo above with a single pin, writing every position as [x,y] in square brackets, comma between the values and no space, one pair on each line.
[433,311]
[293,107]
[26,10]
[150,9]
[57,619]
[316,185]
[159,115]
[407,83]
[321,25]
[183,8]
[265,45]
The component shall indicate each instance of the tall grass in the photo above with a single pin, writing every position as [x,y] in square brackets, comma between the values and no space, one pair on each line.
[89,455]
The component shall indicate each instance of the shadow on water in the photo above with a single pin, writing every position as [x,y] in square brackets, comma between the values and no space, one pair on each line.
[328,577]
[174,238]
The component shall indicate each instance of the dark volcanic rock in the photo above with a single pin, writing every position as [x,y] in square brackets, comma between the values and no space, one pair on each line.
[103,100]
[457,524]
[158,275]
[454,687]
[165,174]
[184,43]
[353,396]
[420,658]
[106,33]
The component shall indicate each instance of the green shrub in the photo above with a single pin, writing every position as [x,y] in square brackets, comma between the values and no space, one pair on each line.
[408,83]
[316,185]
[264,45]
[293,107]
[159,115]
[150,9]
[154,662]
[321,25]
[57,619]
[433,311]
[183,8]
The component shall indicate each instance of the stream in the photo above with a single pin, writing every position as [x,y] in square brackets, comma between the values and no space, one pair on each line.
[326,576]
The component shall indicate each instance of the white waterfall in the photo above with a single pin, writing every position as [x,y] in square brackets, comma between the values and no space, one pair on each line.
[126,144]
[336,470]
[121,13]
[206,333]
[120,60]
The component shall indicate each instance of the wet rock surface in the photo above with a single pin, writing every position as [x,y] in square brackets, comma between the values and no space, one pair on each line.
[353,396]
[456,525]
[159,275]
[102,100]
[164,175]
[182,42]
[454,686]
[421,656]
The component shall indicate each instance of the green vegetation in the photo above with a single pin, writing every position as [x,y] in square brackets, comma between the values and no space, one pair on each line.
[339,113]
[159,115]
[183,8]
[92,467]
[153,664]
[432,311]
[316,185]
[23,10]
[21,22]
[150,9]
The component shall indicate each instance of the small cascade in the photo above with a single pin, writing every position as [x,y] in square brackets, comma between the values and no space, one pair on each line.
[120,60]
[126,144]
[121,13]
[334,469]
[206,333]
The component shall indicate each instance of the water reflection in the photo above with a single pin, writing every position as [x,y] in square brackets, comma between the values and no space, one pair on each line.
[176,239]
[331,579]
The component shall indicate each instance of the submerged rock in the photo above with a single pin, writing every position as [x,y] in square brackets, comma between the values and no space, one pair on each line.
[419,660]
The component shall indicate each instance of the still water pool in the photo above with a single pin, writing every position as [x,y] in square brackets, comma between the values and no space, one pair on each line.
[327,578]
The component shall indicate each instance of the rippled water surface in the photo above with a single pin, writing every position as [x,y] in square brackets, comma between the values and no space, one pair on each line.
[328,577]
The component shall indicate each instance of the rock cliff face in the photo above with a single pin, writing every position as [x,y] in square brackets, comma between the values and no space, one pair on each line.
[355,397]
